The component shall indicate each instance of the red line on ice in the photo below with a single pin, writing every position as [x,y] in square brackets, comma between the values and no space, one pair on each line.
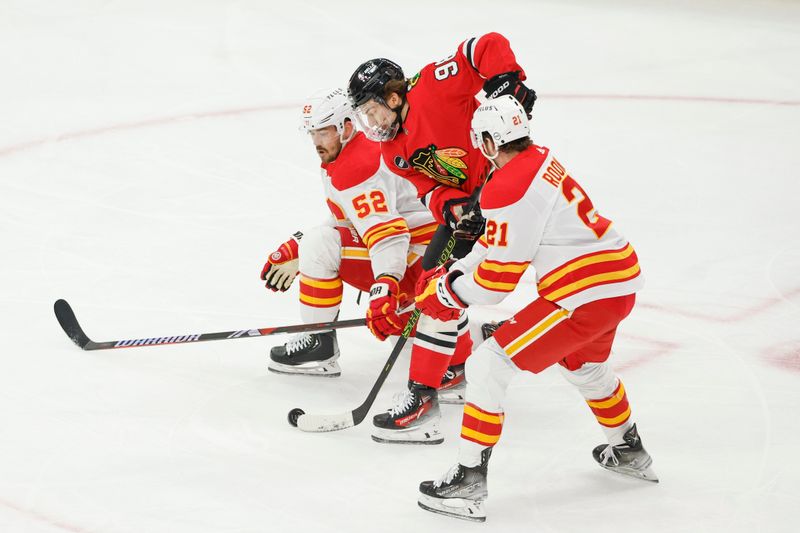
[736,316]
[92,132]
[122,126]
[30,513]
[662,348]
[785,355]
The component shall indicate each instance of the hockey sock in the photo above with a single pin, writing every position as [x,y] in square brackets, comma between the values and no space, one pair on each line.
[463,344]
[480,429]
[613,413]
[319,298]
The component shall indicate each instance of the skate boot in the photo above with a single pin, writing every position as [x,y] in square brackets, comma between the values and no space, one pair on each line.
[460,493]
[453,386]
[310,354]
[630,459]
[414,419]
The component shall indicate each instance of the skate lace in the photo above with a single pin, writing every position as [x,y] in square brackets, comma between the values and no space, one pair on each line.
[448,476]
[402,402]
[299,342]
[608,455]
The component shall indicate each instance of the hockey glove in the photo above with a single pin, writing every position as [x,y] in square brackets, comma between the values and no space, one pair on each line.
[508,83]
[384,302]
[438,299]
[281,268]
[471,225]
[454,210]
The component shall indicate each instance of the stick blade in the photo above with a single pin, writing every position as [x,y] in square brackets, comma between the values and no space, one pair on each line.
[323,423]
[66,318]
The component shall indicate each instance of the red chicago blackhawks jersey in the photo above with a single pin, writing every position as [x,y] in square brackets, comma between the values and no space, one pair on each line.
[537,214]
[433,149]
[383,208]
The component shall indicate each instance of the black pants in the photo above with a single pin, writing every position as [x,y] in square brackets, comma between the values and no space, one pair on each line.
[437,244]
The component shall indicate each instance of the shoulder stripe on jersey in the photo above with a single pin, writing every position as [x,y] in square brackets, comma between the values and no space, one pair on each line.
[469,50]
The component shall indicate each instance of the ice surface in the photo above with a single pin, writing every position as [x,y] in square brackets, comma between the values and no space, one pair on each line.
[150,159]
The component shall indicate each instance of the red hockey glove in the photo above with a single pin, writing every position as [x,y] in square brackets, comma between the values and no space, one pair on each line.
[384,302]
[508,83]
[281,268]
[438,299]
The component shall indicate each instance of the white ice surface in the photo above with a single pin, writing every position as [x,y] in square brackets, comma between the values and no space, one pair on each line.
[149,159]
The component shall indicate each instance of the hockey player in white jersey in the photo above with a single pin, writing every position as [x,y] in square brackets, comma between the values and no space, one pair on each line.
[587,275]
[373,238]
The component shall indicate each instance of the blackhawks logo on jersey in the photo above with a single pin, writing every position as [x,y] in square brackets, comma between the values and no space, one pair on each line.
[444,165]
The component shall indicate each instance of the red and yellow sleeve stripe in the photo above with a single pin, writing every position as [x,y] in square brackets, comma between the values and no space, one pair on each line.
[587,271]
[423,234]
[320,292]
[481,427]
[612,411]
[384,230]
[499,276]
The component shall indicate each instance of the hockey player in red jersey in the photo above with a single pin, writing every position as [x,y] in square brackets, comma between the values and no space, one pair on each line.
[587,275]
[423,126]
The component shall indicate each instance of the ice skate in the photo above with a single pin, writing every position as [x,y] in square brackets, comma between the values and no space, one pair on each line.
[414,419]
[453,386]
[309,354]
[630,459]
[460,493]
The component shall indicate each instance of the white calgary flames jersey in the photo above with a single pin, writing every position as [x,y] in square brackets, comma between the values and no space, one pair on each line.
[537,214]
[383,208]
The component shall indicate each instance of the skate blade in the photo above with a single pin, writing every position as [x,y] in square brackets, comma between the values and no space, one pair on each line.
[470,510]
[452,398]
[408,436]
[328,370]
[648,474]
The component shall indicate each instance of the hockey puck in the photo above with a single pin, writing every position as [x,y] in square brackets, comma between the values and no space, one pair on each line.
[294,414]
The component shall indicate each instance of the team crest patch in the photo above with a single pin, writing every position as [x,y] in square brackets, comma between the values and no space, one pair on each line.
[445,165]
[400,162]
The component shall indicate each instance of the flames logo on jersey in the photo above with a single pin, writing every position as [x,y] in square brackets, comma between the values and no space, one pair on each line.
[444,165]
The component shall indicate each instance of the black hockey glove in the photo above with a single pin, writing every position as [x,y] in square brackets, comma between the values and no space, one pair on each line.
[508,83]
[464,219]
[471,226]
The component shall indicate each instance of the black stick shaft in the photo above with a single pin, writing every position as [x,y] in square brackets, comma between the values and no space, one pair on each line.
[69,323]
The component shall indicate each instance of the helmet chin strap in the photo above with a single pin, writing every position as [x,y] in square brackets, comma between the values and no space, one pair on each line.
[491,158]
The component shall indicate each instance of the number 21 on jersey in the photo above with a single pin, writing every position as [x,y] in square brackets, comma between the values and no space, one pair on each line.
[496,234]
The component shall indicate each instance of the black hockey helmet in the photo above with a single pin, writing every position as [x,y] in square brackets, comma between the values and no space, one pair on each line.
[370,78]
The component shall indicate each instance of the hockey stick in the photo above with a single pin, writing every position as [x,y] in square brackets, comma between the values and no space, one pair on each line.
[321,423]
[70,325]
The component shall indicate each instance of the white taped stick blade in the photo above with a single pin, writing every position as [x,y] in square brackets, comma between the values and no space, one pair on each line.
[322,423]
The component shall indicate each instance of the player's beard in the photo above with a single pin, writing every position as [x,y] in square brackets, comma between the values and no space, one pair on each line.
[328,155]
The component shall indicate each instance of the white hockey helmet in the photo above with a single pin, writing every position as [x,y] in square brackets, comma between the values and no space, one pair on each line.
[503,118]
[327,108]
